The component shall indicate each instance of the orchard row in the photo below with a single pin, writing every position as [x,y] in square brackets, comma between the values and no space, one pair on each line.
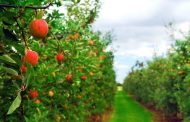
[164,81]
[53,66]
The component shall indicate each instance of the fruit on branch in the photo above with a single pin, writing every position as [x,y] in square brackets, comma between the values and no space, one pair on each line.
[33,94]
[60,57]
[69,78]
[68,37]
[51,93]
[39,28]
[37,101]
[58,118]
[96,52]
[91,42]
[80,69]
[76,35]
[31,57]
[23,69]
[72,37]
[91,73]
[83,77]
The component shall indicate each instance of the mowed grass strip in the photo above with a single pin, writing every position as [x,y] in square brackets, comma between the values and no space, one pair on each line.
[128,110]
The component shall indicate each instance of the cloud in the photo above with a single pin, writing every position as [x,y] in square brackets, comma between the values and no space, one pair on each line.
[140,28]
[182,30]
[127,10]
[120,66]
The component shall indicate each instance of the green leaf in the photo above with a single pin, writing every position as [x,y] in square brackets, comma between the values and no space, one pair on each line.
[28,79]
[10,71]
[15,104]
[7,58]
[26,119]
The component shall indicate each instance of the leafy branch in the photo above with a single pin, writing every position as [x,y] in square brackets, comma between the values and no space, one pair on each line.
[22,34]
[29,7]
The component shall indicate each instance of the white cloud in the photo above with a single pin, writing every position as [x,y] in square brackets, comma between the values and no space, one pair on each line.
[140,52]
[125,10]
[182,10]
[139,26]
[182,30]
[118,65]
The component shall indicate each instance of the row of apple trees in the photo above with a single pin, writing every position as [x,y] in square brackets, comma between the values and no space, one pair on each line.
[53,66]
[164,81]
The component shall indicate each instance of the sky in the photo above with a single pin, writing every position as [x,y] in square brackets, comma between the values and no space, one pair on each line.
[140,29]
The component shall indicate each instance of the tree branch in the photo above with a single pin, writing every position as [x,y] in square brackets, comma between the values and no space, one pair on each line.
[30,7]
[22,34]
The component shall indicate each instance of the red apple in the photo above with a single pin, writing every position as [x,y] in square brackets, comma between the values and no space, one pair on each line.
[23,69]
[33,94]
[39,28]
[31,57]
[60,57]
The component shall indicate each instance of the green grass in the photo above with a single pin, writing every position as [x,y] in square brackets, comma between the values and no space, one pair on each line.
[128,110]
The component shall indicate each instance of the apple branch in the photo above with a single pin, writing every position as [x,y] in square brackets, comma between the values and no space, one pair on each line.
[22,34]
[29,7]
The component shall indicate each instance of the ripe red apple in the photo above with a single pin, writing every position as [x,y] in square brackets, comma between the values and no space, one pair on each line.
[31,57]
[83,77]
[60,57]
[69,78]
[33,94]
[39,28]
[37,101]
[23,69]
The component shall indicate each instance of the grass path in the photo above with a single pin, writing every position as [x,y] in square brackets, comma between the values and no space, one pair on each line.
[128,110]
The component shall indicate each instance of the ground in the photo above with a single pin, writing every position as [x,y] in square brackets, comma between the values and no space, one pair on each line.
[128,110]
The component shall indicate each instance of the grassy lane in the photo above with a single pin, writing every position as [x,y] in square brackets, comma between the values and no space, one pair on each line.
[128,110]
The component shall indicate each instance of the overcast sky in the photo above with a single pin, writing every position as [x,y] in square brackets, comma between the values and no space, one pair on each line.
[139,28]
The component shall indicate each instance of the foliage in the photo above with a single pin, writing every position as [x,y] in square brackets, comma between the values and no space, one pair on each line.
[69,33]
[164,81]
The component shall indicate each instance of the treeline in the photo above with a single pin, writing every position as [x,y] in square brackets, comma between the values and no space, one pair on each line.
[164,82]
